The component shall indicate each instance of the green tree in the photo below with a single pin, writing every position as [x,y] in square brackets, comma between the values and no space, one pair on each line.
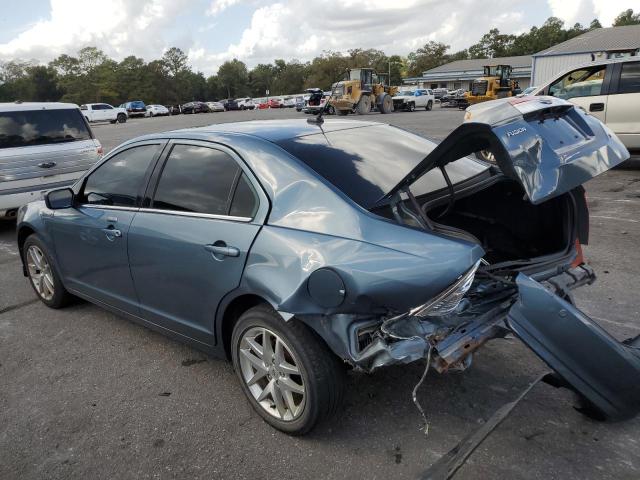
[233,77]
[595,23]
[431,55]
[626,18]
[492,44]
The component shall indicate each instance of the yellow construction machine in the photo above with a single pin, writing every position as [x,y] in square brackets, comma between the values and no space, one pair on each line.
[362,89]
[495,83]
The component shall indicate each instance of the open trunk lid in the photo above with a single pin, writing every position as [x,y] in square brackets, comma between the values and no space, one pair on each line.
[546,144]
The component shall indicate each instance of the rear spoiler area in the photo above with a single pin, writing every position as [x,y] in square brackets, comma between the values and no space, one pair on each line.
[547,145]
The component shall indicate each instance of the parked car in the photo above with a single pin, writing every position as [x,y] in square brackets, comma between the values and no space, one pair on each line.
[230,104]
[288,102]
[245,103]
[438,93]
[316,101]
[410,100]
[263,104]
[194,107]
[174,109]
[608,90]
[42,146]
[274,103]
[300,102]
[136,108]
[215,107]
[157,111]
[402,263]
[103,112]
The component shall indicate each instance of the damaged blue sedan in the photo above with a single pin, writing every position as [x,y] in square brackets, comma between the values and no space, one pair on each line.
[299,249]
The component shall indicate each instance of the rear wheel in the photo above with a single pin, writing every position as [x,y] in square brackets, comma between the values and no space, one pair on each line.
[364,105]
[290,377]
[385,104]
[331,110]
[411,107]
[429,105]
[122,118]
[42,274]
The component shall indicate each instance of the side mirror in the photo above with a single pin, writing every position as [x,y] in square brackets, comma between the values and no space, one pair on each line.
[58,199]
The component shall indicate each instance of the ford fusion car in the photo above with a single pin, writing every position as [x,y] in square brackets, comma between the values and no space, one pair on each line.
[298,248]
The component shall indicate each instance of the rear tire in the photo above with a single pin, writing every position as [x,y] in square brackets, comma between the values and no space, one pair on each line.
[42,273]
[291,402]
[122,118]
[385,104]
[331,110]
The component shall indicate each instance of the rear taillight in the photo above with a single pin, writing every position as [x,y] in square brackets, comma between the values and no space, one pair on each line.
[579,260]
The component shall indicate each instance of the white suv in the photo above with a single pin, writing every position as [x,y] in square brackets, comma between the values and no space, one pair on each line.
[42,146]
[410,100]
[103,112]
[609,90]
[245,103]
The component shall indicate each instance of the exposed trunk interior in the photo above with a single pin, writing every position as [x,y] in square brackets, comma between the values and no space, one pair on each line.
[505,223]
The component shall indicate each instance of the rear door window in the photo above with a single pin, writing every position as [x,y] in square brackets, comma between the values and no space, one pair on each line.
[198,180]
[120,180]
[630,78]
[41,127]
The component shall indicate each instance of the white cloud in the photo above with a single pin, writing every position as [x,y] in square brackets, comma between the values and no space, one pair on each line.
[119,27]
[218,6]
[285,29]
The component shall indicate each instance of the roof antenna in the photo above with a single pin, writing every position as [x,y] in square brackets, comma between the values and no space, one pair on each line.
[317,119]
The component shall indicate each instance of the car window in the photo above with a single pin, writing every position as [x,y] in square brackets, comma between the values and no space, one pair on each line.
[83,107]
[245,199]
[196,179]
[366,163]
[106,107]
[119,181]
[26,128]
[630,78]
[584,82]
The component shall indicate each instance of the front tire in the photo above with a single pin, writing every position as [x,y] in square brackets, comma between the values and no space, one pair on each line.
[429,105]
[42,273]
[288,374]
[386,104]
[364,105]
[122,118]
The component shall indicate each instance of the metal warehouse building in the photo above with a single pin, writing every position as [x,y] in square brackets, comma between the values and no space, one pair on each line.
[598,44]
[461,73]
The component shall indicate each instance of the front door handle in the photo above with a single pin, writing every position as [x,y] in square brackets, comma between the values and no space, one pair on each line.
[222,250]
[596,107]
[112,233]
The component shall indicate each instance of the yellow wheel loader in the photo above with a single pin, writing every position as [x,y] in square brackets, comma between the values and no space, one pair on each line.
[360,91]
[496,83]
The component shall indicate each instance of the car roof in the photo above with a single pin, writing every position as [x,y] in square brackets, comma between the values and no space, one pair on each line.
[22,106]
[277,130]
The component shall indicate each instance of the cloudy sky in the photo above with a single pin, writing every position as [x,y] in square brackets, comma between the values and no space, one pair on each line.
[255,31]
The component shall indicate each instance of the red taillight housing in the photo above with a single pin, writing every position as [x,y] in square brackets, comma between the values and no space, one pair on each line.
[579,260]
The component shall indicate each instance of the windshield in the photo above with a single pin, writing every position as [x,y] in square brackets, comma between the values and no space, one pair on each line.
[40,127]
[367,162]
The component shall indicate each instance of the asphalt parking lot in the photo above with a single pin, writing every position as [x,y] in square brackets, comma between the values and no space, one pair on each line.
[86,394]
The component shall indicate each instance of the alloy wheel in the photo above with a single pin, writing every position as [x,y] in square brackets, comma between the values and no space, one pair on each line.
[272,373]
[40,272]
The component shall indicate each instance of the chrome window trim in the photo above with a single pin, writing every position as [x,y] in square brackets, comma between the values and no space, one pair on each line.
[196,215]
[108,207]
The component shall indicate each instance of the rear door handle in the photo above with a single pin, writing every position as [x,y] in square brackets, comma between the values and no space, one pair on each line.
[222,250]
[596,107]
[112,233]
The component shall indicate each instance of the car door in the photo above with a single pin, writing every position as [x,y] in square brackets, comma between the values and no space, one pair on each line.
[188,248]
[623,103]
[107,112]
[586,87]
[90,238]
